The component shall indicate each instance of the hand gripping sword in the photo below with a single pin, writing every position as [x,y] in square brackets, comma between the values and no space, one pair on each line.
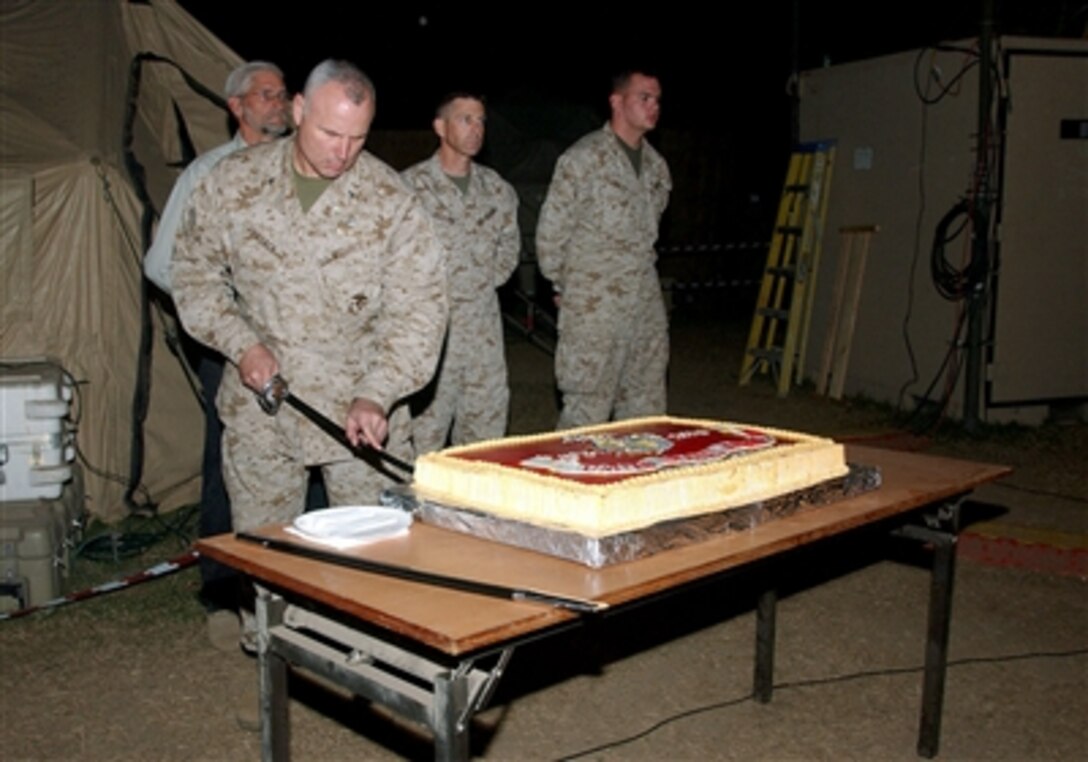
[275,392]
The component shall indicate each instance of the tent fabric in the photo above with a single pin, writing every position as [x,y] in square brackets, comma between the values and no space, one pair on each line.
[70,220]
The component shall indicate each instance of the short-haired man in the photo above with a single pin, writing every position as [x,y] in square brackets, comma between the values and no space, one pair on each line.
[475,215]
[309,258]
[595,242]
[257,100]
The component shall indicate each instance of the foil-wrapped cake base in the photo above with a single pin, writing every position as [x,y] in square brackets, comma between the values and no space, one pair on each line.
[597,552]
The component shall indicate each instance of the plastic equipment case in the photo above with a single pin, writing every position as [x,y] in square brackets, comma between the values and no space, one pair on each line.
[37,446]
[36,538]
[41,488]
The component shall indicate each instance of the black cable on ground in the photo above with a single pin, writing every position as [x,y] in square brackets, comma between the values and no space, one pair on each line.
[611,745]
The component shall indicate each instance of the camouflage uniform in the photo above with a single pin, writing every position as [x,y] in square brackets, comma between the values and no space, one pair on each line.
[350,297]
[479,231]
[595,242]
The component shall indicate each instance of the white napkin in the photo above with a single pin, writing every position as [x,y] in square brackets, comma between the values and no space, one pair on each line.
[352,525]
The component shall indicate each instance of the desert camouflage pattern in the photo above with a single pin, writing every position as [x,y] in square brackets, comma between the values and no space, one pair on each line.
[350,297]
[479,232]
[268,485]
[595,242]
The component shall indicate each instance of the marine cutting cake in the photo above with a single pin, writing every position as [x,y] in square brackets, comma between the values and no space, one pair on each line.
[618,477]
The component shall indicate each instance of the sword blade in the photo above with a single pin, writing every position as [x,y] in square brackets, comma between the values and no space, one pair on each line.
[529,595]
[335,431]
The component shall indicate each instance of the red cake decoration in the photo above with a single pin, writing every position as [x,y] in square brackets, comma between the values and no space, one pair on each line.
[621,453]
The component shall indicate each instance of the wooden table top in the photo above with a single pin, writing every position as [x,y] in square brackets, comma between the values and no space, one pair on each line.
[458,623]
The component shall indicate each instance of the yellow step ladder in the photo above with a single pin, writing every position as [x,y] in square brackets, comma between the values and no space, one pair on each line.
[779,333]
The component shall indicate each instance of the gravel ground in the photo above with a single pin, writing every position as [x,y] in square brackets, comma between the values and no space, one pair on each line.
[132,675]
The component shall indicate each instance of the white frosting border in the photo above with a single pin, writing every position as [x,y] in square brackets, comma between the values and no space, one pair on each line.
[598,510]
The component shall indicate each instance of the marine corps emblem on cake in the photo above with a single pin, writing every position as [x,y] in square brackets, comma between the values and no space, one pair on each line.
[644,452]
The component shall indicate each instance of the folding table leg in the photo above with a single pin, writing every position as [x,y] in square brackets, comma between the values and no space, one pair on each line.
[765,625]
[451,716]
[940,620]
[940,532]
[272,681]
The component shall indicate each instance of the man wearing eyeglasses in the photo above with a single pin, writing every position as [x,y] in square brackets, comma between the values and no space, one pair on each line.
[258,102]
[595,243]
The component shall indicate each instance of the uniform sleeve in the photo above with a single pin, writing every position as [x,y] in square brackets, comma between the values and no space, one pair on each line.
[557,221]
[203,291]
[664,189]
[159,256]
[412,322]
[509,249]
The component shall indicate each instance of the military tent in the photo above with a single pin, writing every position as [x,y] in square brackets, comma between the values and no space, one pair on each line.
[102,102]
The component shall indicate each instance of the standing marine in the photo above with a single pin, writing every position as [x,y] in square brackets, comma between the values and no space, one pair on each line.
[475,215]
[595,243]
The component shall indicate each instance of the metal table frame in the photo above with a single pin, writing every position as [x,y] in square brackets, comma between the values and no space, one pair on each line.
[435,694]
[443,690]
[939,531]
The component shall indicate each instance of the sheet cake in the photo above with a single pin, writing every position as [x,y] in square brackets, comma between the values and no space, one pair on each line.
[617,477]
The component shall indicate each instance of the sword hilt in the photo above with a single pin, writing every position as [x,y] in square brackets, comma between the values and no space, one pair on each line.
[272,394]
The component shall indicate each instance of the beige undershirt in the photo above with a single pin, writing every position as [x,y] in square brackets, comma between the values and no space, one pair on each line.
[634,154]
[309,189]
[461,181]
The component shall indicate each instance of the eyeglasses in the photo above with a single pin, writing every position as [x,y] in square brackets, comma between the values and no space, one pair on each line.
[269,96]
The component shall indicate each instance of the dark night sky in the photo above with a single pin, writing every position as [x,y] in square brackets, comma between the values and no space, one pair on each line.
[712,63]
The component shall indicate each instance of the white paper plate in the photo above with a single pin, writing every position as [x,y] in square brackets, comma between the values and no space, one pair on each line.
[348,525]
